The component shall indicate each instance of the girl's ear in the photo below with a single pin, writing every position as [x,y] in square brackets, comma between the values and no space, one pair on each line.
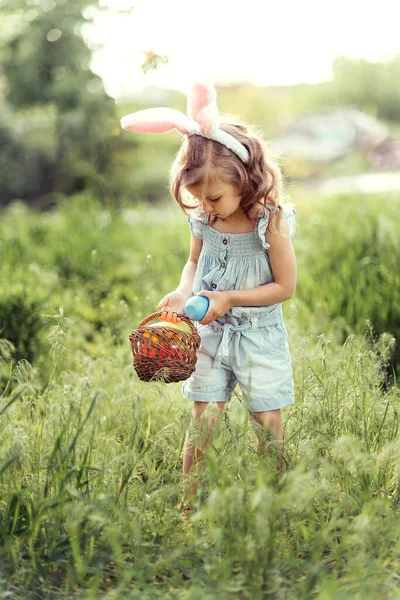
[202,106]
[157,120]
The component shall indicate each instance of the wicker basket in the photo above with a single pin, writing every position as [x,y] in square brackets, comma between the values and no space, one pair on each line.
[162,353]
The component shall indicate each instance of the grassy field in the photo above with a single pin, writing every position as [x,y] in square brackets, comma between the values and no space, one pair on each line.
[90,457]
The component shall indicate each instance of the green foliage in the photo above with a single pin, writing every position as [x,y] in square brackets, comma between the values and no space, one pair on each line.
[48,83]
[90,457]
[367,85]
[354,276]
[58,67]
[20,323]
[27,152]
[96,263]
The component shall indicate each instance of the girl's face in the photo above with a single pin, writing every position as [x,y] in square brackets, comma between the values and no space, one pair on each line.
[218,199]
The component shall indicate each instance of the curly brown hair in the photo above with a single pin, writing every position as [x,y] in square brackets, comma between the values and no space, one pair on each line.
[201,160]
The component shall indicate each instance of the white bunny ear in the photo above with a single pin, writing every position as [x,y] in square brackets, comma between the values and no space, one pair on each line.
[200,96]
[208,119]
[157,120]
[203,120]
[202,107]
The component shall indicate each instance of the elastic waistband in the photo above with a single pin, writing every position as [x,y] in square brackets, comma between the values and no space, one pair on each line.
[272,317]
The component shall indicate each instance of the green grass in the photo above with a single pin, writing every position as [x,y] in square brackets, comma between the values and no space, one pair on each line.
[349,252]
[90,457]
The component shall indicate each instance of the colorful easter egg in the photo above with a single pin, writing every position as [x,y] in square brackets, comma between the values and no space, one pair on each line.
[196,307]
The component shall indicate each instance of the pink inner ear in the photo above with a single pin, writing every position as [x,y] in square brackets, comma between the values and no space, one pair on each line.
[156,120]
[199,97]
[208,118]
[145,126]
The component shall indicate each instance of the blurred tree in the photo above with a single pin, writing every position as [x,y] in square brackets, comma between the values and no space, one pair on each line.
[50,90]
[370,86]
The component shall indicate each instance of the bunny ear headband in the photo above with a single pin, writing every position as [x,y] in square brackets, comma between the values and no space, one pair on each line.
[202,119]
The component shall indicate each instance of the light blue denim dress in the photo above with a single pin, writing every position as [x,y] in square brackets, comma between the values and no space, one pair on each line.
[248,346]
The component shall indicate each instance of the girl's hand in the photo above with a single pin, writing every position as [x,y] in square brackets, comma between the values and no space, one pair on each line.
[173,303]
[219,305]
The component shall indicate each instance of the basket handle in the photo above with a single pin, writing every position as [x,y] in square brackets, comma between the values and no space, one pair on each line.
[157,315]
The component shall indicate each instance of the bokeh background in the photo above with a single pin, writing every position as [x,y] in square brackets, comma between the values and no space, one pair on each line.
[90,240]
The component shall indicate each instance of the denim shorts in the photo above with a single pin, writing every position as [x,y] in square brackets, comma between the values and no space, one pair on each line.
[253,353]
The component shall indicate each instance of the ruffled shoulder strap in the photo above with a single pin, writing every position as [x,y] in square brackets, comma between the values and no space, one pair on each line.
[197,220]
[288,214]
[262,227]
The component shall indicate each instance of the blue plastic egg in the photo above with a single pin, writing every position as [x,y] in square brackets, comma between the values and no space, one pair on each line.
[196,307]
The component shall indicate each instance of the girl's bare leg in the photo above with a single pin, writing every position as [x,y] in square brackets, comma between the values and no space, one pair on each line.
[192,454]
[272,420]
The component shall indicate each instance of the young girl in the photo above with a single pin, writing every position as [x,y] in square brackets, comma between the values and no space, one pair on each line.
[241,258]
